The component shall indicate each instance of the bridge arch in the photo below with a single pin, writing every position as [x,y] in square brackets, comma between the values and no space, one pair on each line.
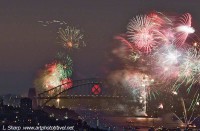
[58,92]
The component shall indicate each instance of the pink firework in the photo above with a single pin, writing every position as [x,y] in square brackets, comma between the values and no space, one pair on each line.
[51,67]
[126,51]
[144,33]
[166,27]
[122,38]
[156,18]
[51,78]
[67,83]
[183,29]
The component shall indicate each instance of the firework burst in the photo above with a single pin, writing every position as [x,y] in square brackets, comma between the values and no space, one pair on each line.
[66,83]
[144,33]
[53,75]
[70,37]
[165,63]
[67,63]
[190,68]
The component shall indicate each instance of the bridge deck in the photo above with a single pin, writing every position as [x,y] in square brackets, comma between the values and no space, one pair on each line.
[83,96]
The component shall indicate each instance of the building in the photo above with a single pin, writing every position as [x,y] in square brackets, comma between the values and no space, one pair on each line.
[32,96]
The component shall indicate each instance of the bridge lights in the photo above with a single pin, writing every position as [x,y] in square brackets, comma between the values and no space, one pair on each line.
[58,102]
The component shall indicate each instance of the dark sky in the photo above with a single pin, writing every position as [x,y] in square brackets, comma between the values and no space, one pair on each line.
[26,46]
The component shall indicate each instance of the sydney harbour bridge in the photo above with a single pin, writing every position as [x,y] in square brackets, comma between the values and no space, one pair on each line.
[92,88]
[94,94]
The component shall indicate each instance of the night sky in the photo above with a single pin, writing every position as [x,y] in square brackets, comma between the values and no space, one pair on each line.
[26,46]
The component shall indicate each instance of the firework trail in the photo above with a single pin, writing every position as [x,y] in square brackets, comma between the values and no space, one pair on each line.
[189,73]
[52,22]
[188,118]
[127,50]
[183,29]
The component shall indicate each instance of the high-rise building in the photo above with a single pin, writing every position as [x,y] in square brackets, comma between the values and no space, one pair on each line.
[32,96]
